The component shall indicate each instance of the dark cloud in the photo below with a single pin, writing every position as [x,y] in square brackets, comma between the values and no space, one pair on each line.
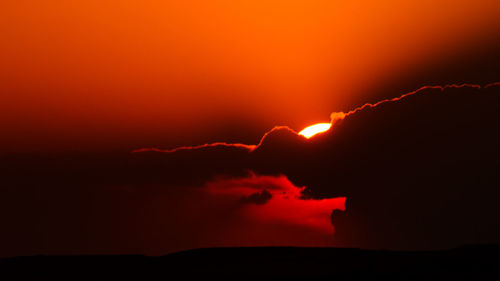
[259,198]
[418,172]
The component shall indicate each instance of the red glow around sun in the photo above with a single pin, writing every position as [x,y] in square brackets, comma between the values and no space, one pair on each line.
[285,207]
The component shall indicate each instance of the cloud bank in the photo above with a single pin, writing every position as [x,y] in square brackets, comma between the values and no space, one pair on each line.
[416,172]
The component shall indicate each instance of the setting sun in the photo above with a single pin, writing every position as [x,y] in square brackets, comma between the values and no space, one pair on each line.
[315,129]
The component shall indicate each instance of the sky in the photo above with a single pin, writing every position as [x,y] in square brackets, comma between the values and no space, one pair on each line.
[85,75]
[149,127]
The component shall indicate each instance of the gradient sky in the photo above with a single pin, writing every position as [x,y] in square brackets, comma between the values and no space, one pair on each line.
[130,74]
[109,111]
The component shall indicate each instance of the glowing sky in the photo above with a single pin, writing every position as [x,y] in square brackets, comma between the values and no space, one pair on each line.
[85,74]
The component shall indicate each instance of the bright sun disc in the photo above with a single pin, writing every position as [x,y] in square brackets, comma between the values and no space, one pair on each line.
[315,129]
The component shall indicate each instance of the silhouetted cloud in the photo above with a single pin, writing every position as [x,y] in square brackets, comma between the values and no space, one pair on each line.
[259,198]
[418,171]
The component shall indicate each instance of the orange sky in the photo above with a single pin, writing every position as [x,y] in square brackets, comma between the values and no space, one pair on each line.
[79,74]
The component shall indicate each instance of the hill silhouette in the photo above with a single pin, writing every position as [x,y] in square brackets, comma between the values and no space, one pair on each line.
[265,263]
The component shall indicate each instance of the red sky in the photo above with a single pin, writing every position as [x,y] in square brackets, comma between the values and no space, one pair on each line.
[115,74]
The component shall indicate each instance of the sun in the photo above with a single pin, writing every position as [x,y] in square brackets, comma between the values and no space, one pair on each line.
[315,129]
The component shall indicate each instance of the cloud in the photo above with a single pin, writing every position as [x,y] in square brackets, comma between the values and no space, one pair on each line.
[418,171]
[275,200]
[259,198]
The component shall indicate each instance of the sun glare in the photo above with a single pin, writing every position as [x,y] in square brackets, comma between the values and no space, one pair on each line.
[315,129]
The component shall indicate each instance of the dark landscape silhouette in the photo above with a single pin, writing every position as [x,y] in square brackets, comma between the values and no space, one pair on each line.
[480,262]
